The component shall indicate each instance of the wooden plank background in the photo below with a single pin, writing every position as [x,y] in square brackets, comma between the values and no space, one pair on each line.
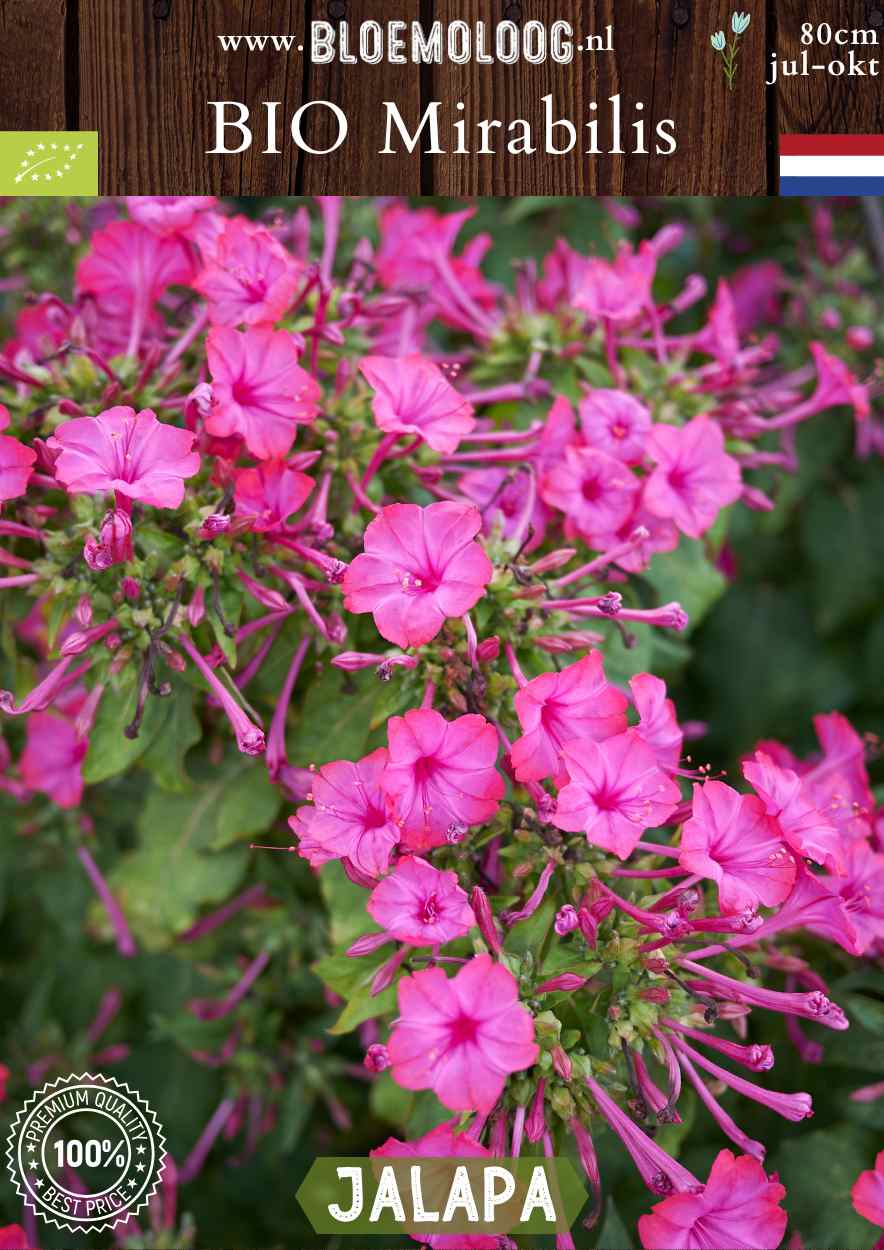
[141,71]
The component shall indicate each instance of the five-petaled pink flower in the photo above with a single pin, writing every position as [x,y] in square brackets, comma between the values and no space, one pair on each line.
[595,492]
[349,817]
[738,1207]
[445,1141]
[786,799]
[52,759]
[413,396]
[658,724]
[250,278]
[618,291]
[268,494]
[168,214]
[868,1193]
[420,905]
[556,708]
[616,423]
[441,776]
[616,791]
[16,462]
[731,840]
[420,566]
[259,391]
[461,1037]
[695,477]
[134,455]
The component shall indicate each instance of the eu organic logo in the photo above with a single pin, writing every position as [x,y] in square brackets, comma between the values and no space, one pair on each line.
[49,162]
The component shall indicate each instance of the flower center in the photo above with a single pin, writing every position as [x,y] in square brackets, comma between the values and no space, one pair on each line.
[430,911]
[463,1030]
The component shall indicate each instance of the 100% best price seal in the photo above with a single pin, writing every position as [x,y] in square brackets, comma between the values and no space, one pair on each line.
[86,1152]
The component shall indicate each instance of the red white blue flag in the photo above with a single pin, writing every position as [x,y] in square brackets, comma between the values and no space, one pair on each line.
[831,164]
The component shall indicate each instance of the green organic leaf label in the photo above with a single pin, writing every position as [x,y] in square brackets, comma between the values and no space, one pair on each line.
[442,1195]
[49,162]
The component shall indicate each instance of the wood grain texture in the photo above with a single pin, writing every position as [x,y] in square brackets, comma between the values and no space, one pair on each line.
[821,104]
[359,91]
[143,81]
[32,85]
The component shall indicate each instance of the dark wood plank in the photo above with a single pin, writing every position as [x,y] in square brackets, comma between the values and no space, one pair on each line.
[663,58]
[359,90]
[821,104]
[145,82]
[32,90]
[722,134]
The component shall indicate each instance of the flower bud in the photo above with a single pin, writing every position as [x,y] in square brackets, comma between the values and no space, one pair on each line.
[569,981]
[376,1058]
[130,589]
[485,919]
[488,649]
[113,545]
[566,920]
[196,609]
[213,525]
[561,1063]
[860,338]
[589,926]
[84,611]
[535,1121]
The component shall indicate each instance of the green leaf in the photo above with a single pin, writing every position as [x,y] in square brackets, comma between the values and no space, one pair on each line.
[364,1006]
[164,882]
[250,804]
[164,758]
[110,751]
[687,576]
[529,934]
[613,1234]
[819,1170]
[333,724]
[390,1101]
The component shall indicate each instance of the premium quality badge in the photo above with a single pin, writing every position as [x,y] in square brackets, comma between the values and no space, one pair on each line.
[85,1153]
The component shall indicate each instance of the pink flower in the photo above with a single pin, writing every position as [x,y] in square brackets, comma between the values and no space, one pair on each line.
[595,492]
[420,567]
[839,783]
[16,461]
[786,799]
[349,818]
[615,792]
[136,456]
[501,495]
[731,840]
[250,279]
[113,544]
[168,214]
[461,1037]
[420,905]
[738,1207]
[868,1193]
[694,479]
[441,776]
[556,708]
[52,759]
[861,890]
[259,390]
[267,495]
[445,1142]
[615,423]
[126,270]
[413,396]
[14,1237]
[836,385]
[618,290]
[658,724]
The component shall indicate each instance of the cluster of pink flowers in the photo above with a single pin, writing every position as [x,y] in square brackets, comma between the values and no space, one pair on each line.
[219,437]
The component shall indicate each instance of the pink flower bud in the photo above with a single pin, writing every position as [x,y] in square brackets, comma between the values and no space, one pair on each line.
[113,545]
[367,943]
[535,1121]
[830,319]
[555,560]
[561,1063]
[589,926]
[569,981]
[196,609]
[654,994]
[215,524]
[566,920]
[485,919]
[376,1058]
[488,649]
[83,613]
[131,589]
[353,661]
[860,338]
